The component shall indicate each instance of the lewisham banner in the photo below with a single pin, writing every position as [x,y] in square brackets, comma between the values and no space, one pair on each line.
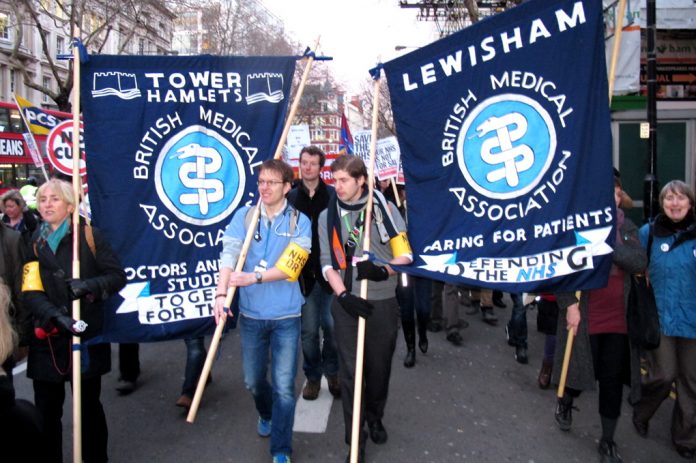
[505,127]
[175,144]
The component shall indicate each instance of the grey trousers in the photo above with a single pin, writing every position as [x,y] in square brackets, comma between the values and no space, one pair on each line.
[674,360]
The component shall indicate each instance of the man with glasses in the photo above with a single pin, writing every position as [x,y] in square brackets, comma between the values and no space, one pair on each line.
[270,301]
[310,196]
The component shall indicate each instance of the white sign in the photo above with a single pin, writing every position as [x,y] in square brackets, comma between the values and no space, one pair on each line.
[59,148]
[627,73]
[387,158]
[361,144]
[33,149]
[298,138]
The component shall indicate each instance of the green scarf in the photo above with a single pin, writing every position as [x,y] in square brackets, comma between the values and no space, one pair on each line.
[53,238]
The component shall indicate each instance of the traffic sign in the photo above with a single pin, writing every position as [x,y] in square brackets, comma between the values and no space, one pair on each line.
[59,148]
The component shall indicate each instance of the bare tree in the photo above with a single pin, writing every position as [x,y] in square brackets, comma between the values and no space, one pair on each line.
[237,27]
[472,9]
[320,95]
[100,20]
[385,115]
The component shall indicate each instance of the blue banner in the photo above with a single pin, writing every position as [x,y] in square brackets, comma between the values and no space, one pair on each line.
[504,131]
[173,149]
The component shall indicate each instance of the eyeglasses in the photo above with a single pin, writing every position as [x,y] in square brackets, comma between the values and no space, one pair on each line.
[269,182]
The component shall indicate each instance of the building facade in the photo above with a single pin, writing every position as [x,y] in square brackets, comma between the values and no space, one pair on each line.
[29,58]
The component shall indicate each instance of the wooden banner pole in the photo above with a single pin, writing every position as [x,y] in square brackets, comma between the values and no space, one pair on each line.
[76,184]
[566,356]
[619,18]
[360,349]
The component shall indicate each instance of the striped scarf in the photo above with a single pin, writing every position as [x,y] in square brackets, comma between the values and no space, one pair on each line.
[381,217]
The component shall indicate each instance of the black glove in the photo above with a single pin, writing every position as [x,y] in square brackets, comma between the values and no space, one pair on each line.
[354,305]
[368,270]
[69,325]
[77,288]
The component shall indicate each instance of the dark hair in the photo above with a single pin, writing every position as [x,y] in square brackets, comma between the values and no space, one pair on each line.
[13,195]
[353,165]
[313,150]
[280,167]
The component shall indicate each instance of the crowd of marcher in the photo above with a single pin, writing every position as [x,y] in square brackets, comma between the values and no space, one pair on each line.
[322,261]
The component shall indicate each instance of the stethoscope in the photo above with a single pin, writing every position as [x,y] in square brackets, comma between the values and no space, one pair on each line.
[276,230]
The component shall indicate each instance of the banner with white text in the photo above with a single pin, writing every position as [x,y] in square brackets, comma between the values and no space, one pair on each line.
[175,145]
[505,139]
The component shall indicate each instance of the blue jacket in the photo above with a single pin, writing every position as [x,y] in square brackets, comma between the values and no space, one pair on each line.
[277,299]
[672,273]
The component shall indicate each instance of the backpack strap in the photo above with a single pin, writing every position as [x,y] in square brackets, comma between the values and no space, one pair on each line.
[248,217]
[294,216]
[89,237]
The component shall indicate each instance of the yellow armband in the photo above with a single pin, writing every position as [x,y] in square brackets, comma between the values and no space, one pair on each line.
[399,245]
[291,261]
[31,278]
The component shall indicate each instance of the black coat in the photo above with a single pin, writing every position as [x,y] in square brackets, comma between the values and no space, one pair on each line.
[11,259]
[50,359]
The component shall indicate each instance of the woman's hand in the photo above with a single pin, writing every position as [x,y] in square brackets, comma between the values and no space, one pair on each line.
[573,317]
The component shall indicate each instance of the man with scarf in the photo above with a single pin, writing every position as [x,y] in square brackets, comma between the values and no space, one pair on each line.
[341,232]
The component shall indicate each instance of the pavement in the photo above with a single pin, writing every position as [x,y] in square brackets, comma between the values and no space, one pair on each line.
[472,403]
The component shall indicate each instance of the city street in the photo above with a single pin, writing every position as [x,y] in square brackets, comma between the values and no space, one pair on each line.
[474,403]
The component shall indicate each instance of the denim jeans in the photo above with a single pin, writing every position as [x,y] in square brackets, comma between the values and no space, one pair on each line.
[319,357]
[195,358]
[277,340]
[517,326]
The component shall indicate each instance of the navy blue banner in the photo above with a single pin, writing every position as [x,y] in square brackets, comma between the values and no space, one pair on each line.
[173,148]
[504,131]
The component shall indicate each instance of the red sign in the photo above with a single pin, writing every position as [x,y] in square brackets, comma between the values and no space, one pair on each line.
[59,148]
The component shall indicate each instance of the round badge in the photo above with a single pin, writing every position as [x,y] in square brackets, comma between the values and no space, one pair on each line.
[664,247]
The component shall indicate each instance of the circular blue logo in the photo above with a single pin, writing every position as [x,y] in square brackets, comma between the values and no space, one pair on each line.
[199,176]
[505,146]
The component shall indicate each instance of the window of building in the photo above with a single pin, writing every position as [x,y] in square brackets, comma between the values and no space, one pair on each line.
[60,44]
[4,26]
[317,134]
[16,124]
[11,121]
[141,46]
[4,120]
[13,88]
[47,84]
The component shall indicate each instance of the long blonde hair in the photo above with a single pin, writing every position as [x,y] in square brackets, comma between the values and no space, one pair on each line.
[8,336]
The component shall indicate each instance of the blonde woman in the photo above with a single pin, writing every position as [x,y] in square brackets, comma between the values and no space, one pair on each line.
[49,288]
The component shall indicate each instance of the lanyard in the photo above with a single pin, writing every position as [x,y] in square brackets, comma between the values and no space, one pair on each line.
[355,233]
